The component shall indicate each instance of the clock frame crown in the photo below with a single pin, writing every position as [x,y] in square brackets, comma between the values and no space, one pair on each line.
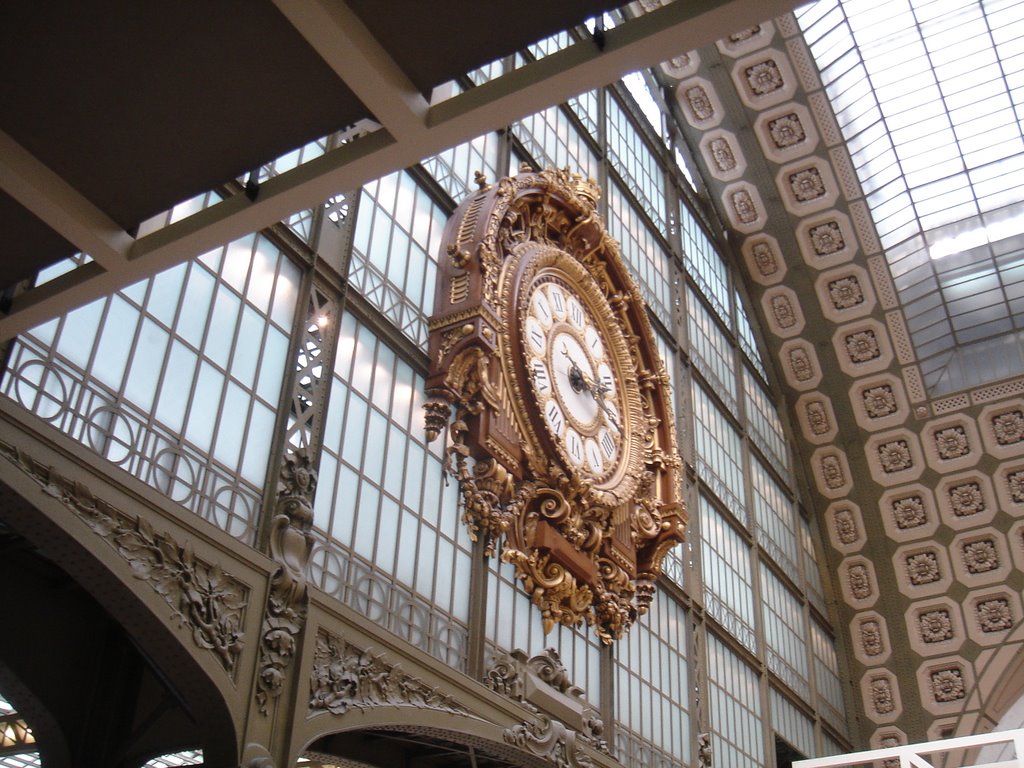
[587,545]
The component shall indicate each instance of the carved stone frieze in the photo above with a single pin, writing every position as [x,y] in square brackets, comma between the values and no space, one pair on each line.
[542,682]
[202,597]
[345,677]
[550,739]
[287,602]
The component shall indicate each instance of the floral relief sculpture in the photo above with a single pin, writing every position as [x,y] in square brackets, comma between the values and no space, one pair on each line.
[1009,427]
[860,582]
[807,185]
[817,418]
[723,155]
[980,556]
[846,525]
[882,698]
[743,205]
[871,638]
[202,597]
[700,103]
[680,62]
[923,568]
[345,677]
[764,259]
[862,347]
[909,512]
[290,545]
[951,442]
[895,456]
[936,626]
[948,685]
[845,293]
[745,34]
[994,614]
[764,78]
[832,472]
[786,131]
[827,238]
[800,364]
[783,311]
[966,499]
[1015,484]
[879,401]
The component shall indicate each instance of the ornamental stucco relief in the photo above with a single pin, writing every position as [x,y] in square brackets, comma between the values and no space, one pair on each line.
[991,613]
[786,132]
[951,444]
[764,260]
[945,684]
[980,557]
[846,527]
[807,186]
[966,500]
[935,627]
[922,569]
[894,457]
[764,79]
[908,512]
[826,240]
[1002,428]
[881,694]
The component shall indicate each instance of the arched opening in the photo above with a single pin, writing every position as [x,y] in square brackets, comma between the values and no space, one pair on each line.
[109,691]
[381,747]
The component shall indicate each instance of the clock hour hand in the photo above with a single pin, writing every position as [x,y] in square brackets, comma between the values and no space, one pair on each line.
[578,381]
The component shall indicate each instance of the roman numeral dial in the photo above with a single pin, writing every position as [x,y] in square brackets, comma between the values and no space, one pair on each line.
[572,376]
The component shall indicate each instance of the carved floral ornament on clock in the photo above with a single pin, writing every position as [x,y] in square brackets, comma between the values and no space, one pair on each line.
[545,373]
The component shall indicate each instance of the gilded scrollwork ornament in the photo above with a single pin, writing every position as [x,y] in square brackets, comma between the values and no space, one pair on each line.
[560,430]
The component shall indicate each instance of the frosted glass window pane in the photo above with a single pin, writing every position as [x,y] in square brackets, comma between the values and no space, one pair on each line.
[390,483]
[355,431]
[146,365]
[165,293]
[275,347]
[345,507]
[205,405]
[263,272]
[286,294]
[116,339]
[236,261]
[372,521]
[231,429]
[176,387]
[243,364]
[79,333]
[410,558]
[393,468]
[196,305]
[222,324]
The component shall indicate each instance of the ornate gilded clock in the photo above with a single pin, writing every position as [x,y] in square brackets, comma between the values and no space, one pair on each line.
[562,436]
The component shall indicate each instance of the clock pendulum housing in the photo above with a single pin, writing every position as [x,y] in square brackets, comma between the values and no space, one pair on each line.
[545,373]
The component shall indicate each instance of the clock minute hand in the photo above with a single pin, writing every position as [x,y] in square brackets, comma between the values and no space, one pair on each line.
[579,381]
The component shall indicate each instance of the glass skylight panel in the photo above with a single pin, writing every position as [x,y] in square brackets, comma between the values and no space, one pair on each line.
[927,94]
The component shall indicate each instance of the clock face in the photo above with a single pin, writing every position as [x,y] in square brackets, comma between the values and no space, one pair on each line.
[573,379]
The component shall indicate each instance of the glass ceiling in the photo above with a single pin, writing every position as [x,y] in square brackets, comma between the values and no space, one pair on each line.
[929,95]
